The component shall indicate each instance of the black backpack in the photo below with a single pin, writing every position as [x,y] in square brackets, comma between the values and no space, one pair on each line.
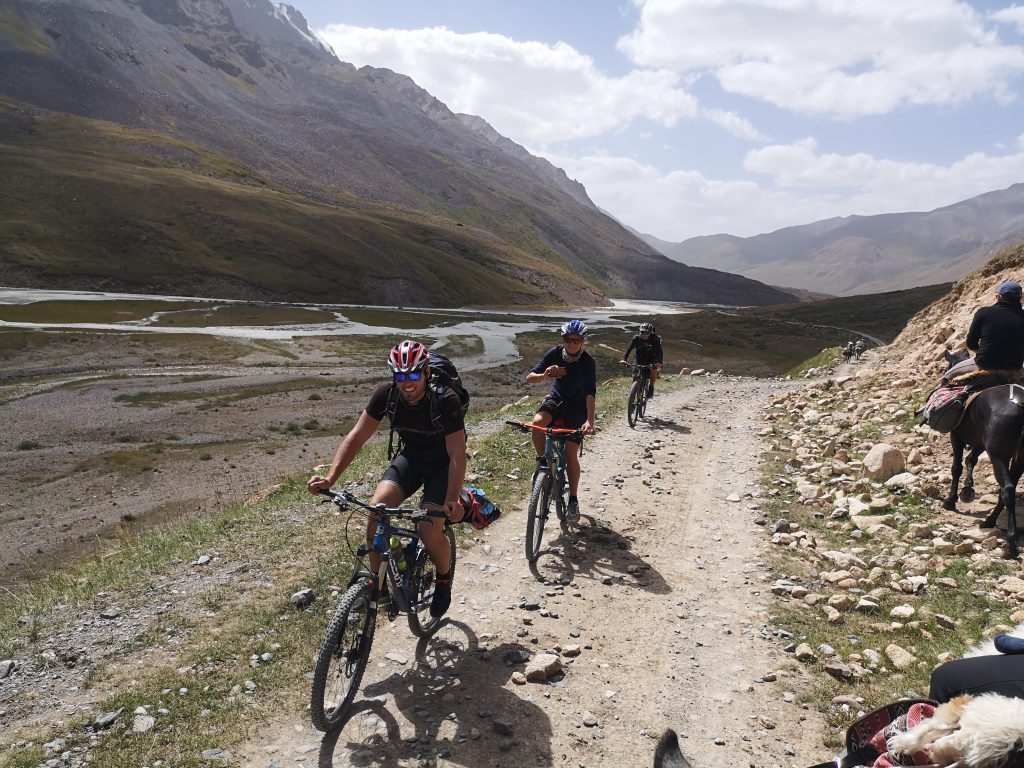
[443,375]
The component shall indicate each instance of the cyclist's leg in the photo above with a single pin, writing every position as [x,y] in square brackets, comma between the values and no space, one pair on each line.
[572,465]
[574,417]
[545,414]
[398,483]
[654,375]
[431,531]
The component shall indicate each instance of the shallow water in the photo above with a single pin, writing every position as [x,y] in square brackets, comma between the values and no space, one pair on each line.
[497,329]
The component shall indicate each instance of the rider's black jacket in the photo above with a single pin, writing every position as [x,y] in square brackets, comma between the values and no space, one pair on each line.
[647,352]
[997,333]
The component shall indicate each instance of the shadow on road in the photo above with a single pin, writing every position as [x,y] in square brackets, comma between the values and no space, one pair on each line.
[455,699]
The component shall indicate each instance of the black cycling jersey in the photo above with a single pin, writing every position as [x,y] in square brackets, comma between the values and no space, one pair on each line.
[421,433]
[647,352]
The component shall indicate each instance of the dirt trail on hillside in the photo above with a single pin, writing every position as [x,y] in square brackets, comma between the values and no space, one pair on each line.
[662,588]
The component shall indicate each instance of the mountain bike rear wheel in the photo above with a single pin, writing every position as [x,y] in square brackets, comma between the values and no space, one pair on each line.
[537,513]
[634,401]
[421,589]
[342,658]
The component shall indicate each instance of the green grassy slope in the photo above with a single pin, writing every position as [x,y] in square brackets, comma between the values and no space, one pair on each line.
[143,211]
[771,341]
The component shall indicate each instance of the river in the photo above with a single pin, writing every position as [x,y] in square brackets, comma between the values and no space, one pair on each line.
[496,328]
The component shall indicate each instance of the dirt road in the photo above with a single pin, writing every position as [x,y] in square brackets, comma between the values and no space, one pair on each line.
[662,591]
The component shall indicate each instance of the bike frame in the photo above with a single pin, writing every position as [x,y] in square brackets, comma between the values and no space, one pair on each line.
[387,573]
[554,453]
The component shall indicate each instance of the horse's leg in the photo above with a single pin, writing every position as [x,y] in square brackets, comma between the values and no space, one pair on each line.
[967,492]
[1008,499]
[957,469]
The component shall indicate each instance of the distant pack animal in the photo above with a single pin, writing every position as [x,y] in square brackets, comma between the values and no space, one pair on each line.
[994,423]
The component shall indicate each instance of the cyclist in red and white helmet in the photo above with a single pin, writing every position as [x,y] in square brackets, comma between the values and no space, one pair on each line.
[572,399]
[432,457]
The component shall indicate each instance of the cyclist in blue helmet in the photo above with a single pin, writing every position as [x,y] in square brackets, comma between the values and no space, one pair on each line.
[571,399]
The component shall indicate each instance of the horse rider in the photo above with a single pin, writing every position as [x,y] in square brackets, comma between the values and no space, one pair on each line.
[996,335]
[848,351]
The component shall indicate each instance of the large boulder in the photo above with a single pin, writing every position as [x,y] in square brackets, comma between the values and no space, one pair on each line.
[883,461]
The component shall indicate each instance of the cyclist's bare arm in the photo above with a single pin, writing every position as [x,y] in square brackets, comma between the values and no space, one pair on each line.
[588,426]
[347,450]
[551,372]
[455,444]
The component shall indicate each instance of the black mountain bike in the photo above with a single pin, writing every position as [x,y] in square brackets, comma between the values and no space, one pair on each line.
[550,484]
[638,393]
[406,576]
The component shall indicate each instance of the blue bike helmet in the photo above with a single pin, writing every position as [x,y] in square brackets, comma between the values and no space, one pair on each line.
[574,328]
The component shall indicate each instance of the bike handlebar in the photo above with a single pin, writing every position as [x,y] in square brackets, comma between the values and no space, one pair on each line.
[344,498]
[556,432]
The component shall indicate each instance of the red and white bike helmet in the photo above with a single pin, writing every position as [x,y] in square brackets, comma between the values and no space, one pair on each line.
[408,357]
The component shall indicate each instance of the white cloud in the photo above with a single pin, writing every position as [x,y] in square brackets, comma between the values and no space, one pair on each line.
[1013,15]
[839,58]
[808,186]
[530,91]
[735,124]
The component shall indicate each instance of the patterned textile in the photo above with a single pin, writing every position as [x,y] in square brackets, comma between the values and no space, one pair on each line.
[866,739]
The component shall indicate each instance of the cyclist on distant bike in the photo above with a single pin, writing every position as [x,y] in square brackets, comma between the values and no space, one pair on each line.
[571,399]
[648,352]
[433,456]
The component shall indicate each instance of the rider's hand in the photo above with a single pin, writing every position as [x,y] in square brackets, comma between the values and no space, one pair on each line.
[623,362]
[554,372]
[316,483]
[453,511]
[587,428]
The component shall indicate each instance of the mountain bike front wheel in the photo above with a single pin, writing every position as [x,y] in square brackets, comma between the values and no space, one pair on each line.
[421,589]
[343,656]
[634,401]
[537,513]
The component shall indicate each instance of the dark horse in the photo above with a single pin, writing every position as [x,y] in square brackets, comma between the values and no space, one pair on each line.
[668,754]
[993,423]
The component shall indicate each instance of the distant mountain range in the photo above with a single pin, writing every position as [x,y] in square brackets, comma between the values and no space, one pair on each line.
[218,147]
[868,254]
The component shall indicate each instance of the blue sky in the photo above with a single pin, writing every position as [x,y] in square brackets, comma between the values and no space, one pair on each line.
[697,117]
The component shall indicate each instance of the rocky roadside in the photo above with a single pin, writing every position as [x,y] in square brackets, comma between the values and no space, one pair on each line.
[868,546]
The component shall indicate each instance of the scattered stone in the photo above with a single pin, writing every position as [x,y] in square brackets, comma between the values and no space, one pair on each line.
[106,719]
[303,598]
[900,657]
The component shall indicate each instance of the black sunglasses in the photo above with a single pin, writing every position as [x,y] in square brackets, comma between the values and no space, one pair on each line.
[414,376]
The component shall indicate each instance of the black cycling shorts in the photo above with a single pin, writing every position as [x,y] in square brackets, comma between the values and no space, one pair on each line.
[411,473]
[567,415]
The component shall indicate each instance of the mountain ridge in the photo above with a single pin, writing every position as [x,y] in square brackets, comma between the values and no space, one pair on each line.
[369,142]
[868,254]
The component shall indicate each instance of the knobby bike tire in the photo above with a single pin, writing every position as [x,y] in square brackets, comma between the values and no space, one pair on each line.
[641,406]
[634,396]
[346,648]
[537,512]
[421,589]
